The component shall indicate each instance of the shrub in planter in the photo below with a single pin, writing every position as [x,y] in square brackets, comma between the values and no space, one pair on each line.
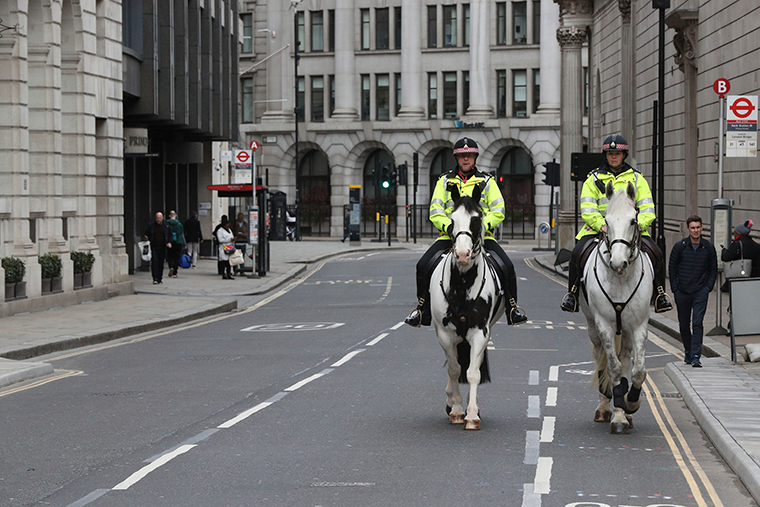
[51,265]
[15,269]
[83,261]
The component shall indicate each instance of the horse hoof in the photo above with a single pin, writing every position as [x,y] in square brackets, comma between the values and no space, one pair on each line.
[619,428]
[448,410]
[456,418]
[472,424]
[600,416]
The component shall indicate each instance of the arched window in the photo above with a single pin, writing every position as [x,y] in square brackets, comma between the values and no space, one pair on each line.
[314,193]
[515,176]
[376,198]
[443,161]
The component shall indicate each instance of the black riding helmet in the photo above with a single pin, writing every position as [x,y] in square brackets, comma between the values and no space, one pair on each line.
[466,146]
[616,142]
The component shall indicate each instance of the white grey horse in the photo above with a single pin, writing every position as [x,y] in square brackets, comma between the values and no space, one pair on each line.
[618,290]
[465,304]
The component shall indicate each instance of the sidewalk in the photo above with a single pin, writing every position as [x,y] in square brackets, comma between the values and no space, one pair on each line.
[724,397]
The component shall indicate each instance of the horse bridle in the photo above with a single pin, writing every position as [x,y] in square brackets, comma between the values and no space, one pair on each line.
[634,244]
[475,244]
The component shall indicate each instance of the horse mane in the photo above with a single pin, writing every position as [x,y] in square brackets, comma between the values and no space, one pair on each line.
[620,201]
[470,204]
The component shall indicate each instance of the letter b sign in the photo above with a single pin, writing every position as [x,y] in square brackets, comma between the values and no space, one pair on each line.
[721,86]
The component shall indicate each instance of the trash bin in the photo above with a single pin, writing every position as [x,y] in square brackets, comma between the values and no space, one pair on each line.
[278,204]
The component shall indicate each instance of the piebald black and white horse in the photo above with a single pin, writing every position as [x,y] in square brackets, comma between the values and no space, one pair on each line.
[618,283]
[465,304]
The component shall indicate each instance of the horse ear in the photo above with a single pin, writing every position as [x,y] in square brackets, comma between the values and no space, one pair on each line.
[454,190]
[610,189]
[631,191]
[476,192]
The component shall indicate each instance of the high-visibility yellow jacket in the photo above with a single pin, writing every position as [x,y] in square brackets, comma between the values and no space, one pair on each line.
[442,205]
[594,199]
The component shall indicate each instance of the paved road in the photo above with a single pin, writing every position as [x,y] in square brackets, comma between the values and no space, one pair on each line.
[279,405]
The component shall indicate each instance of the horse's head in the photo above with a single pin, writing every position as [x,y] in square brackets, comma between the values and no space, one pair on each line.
[467,234]
[623,237]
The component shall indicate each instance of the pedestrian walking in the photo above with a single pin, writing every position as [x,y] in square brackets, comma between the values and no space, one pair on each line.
[160,240]
[346,225]
[194,237]
[216,241]
[178,243]
[693,270]
[226,241]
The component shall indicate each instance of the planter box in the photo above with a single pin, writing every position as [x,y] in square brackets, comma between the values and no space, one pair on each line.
[47,285]
[15,291]
[78,281]
[56,284]
[82,280]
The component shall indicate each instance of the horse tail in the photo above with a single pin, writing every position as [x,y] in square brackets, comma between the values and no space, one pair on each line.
[463,358]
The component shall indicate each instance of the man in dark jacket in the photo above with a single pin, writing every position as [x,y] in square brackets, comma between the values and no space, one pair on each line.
[693,271]
[160,240]
[194,237]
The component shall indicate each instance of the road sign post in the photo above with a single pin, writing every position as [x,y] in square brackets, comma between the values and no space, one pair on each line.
[721,87]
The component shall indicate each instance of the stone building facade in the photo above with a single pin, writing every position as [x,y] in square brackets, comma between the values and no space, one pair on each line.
[704,40]
[61,181]
[380,81]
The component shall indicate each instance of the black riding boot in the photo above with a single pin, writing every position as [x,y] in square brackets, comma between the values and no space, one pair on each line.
[421,315]
[515,314]
[570,301]
[661,299]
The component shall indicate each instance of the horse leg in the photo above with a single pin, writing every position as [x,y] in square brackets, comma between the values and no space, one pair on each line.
[619,423]
[477,355]
[454,407]
[600,380]
[639,371]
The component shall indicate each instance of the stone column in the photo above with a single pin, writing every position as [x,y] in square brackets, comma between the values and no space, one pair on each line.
[412,76]
[575,17]
[628,76]
[345,66]
[280,78]
[686,23]
[550,61]
[480,60]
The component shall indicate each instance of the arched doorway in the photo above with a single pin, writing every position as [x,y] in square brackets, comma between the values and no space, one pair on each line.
[377,199]
[443,161]
[314,194]
[515,177]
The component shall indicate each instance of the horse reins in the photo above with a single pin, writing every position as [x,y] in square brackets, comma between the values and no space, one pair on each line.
[475,244]
[618,307]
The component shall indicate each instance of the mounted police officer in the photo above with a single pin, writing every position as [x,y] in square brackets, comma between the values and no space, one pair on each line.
[466,177]
[593,206]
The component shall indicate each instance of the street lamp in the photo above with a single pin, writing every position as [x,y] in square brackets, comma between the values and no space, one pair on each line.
[294,4]
[661,5]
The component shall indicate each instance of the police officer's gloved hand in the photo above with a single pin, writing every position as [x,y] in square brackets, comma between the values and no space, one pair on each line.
[450,230]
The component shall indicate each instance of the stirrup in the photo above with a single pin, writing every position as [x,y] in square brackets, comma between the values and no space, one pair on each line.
[516,315]
[419,317]
[662,304]
[570,301]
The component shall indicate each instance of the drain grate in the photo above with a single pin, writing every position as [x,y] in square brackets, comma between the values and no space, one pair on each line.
[670,395]
[119,394]
[212,358]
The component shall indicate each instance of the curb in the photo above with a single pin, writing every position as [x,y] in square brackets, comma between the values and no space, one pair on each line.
[10,373]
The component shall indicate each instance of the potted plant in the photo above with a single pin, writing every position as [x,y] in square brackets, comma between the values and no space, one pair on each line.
[83,262]
[51,273]
[15,286]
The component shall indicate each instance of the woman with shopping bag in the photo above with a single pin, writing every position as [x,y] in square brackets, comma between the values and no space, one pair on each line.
[742,258]
[226,239]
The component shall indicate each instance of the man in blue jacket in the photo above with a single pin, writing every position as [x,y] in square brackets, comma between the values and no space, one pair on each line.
[693,271]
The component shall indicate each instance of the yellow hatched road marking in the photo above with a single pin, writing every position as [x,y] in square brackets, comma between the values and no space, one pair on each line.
[56,375]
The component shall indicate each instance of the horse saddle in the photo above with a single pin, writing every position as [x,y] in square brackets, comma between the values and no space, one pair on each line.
[583,258]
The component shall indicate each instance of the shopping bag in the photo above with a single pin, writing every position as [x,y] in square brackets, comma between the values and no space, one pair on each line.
[740,268]
[185,261]
[144,250]
[236,258]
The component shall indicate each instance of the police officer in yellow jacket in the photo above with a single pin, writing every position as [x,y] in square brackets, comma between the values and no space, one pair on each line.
[593,206]
[466,177]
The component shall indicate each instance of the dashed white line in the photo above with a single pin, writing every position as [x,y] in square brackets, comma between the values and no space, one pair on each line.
[547,429]
[530,497]
[397,326]
[534,407]
[542,481]
[551,397]
[347,358]
[376,340]
[553,373]
[135,477]
[533,378]
[531,448]
[244,415]
[299,385]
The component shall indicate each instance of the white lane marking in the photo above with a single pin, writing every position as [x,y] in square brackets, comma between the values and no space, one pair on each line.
[553,373]
[397,326]
[89,498]
[135,477]
[551,397]
[299,385]
[376,340]
[245,415]
[542,482]
[547,429]
[533,378]
[347,358]
[534,407]
[531,448]
[530,497]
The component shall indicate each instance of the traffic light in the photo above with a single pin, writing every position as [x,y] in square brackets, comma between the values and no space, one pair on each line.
[551,174]
[385,177]
[403,173]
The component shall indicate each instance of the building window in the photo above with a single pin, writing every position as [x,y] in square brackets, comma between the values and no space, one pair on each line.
[301,21]
[383,98]
[520,93]
[382,29]
[501,93]
[501,23]
[398,93]
[585,91]
[449,25]
[132,25]
[331,30]
[332,95]
[466,24]
[317,31]
[432,31]
[397,27]
[301,98]
[536,89]
[432,95]
[247,100]
[365,97]
[317,98]
[449,94]
[365,28]
[519,22]
[515,176]
[247,33]
[536,21]
[466,91]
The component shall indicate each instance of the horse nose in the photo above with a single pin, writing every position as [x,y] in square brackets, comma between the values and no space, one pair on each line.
[623,266]
[463,256]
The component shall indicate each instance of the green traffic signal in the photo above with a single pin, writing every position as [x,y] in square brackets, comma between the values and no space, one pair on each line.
[386,184]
